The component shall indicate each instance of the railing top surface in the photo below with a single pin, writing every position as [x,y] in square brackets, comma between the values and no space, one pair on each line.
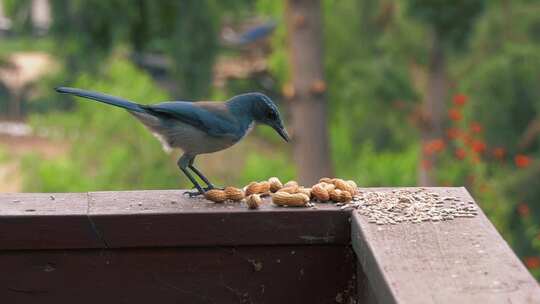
[460,261]
[158,218]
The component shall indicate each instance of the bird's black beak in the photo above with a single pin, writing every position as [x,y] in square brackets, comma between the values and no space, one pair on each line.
[282,132]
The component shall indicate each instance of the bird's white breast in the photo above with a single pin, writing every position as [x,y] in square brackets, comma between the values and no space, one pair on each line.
[187,137]
[249,129]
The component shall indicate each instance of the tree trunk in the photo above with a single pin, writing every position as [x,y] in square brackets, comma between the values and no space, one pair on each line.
[14,106]
[310,127]
[40,14]
[434,111]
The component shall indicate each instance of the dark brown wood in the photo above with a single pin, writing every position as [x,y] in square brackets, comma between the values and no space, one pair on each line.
[50,220]
[159,219]
[146,246]
[459,261]
[167,218]
[365,293]
[271,274]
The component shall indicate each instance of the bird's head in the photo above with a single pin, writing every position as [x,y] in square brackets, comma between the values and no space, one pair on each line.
[263,110]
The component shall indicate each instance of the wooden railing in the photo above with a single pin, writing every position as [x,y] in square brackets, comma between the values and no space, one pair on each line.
[162,247]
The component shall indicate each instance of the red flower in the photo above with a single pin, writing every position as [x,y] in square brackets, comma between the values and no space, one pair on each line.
[453,133]
[499,153]
[467,138]
[476,127]
[434,146]
[523,209]
[460,153]
[522,161]
[426,164]
[454,114]
[478,146]
[460,99]
[399,104]
[532,262]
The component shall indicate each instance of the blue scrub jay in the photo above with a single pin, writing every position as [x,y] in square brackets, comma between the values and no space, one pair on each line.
[251,35]
[198,127]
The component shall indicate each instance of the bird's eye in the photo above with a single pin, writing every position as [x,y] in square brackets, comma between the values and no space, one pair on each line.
[271,115]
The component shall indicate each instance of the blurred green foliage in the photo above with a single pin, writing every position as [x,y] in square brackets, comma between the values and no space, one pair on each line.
[109,150]
[451,19]
[501,76]
[495,85]
[19,13]
[259,166]
[365,77]
[91,29]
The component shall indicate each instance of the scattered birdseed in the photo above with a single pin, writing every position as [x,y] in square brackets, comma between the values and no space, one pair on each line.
[409,206]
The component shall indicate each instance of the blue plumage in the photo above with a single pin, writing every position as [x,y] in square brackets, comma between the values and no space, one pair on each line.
[112,100]
[256,33]
[211,122]
[198,127]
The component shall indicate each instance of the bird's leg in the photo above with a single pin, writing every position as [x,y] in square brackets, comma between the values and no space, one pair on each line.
[183,164]
[199,173]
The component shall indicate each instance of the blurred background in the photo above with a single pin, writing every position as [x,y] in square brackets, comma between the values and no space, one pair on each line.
[385,92]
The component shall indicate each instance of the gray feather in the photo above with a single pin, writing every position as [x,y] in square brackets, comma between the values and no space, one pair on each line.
[112,100]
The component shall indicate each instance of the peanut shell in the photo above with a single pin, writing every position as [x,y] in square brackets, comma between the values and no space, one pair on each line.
[328,187]
[344,186]
[346,196]
[325,180]
[275,184]
[335,195]
[254,201]
[216,195]
[319,192]
[291,189]
[291,183]
[257,188]
[354,186]
[234,194]
[282,198]
[306,191]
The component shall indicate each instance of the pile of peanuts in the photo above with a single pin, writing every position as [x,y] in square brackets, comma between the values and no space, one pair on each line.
[288,194]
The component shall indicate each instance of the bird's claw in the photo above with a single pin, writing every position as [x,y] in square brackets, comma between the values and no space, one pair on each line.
[193,193]
[197,192]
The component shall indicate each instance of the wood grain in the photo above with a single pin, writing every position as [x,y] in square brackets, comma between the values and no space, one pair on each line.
[114,244]
[149,218]
[459,261]
[121,219]
[268,274]
[45,221]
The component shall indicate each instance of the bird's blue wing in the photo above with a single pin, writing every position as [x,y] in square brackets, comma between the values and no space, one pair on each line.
[211,118]
[256,33]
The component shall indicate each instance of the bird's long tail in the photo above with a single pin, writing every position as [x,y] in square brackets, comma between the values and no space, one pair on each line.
[112,100]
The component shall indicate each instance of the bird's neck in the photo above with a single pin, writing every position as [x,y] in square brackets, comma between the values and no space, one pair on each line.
[241,109]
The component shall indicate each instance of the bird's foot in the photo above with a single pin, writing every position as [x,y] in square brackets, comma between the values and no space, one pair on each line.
[197,192]
[193,193]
